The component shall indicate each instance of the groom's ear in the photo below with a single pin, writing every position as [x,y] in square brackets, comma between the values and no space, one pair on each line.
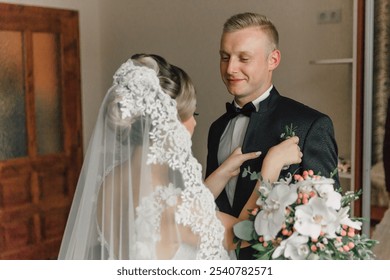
[274,59]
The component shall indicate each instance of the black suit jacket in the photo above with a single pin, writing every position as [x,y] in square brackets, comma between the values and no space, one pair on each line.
[316,140]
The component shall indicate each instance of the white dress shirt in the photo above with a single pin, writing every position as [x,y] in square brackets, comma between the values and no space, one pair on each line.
[233,137]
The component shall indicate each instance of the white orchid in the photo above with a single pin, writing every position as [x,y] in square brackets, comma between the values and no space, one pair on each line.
[305,186]
[295,248]
[270,219]
[264,189]
[314,218]
[343,219]
[331,197]
[304,219]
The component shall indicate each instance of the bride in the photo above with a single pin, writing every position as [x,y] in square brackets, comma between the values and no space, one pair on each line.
[140,194]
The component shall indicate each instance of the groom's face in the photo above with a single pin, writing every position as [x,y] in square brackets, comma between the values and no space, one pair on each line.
[246,63]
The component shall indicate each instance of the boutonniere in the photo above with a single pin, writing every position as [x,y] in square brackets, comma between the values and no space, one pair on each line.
[289,131]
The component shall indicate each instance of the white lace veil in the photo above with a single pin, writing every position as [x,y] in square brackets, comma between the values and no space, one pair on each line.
[140,193]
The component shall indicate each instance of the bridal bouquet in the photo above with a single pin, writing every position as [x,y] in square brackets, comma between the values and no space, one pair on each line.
[304,217]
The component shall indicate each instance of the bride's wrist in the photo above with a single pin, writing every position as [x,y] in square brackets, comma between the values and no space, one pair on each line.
[273,162]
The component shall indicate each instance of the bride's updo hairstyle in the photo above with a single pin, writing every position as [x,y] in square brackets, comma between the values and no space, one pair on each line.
[173,80]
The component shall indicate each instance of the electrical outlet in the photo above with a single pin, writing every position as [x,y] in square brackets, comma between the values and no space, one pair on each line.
[329,16]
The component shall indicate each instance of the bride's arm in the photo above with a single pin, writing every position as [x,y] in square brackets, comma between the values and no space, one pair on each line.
[285,153]
[217,180]
[228,222]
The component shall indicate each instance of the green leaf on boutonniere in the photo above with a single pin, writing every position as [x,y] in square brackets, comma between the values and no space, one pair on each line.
[289,131]
[254,176]
[245,172]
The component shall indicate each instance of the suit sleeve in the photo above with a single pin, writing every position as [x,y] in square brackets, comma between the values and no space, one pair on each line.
[320,152]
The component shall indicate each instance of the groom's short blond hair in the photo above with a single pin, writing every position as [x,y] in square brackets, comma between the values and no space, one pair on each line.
[245,20]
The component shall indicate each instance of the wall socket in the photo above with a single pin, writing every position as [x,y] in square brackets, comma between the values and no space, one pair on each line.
[329,16]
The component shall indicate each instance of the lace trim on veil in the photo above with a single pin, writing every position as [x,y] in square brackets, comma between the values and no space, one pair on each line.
[140,94]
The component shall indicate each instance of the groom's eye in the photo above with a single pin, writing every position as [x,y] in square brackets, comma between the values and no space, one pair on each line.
[223,56]
[196,114]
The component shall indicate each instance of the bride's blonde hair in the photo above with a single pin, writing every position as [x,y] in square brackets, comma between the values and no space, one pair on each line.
[174,81]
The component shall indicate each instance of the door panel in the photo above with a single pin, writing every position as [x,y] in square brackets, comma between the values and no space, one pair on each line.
[13,132]
[40,128]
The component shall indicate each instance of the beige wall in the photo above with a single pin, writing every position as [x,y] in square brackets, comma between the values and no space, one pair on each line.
[187,32]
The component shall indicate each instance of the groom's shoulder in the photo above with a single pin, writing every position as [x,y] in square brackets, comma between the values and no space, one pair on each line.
[296,107]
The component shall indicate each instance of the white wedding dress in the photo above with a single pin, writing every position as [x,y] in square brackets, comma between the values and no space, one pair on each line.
[140,193]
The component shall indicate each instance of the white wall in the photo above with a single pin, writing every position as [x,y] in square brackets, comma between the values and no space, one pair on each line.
[187,33]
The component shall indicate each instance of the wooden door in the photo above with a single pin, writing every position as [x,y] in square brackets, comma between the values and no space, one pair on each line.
[40,128]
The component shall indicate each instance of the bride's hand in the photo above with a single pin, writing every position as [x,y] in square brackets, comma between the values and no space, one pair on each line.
[285,153]
[217,180]
[231,166]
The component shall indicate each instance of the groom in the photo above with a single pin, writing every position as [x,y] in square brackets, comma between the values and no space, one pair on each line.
[258,115]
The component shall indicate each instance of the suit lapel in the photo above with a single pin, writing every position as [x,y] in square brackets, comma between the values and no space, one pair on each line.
[220,128]
[215,138]
[260,125]
[258,137]
[222,200]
